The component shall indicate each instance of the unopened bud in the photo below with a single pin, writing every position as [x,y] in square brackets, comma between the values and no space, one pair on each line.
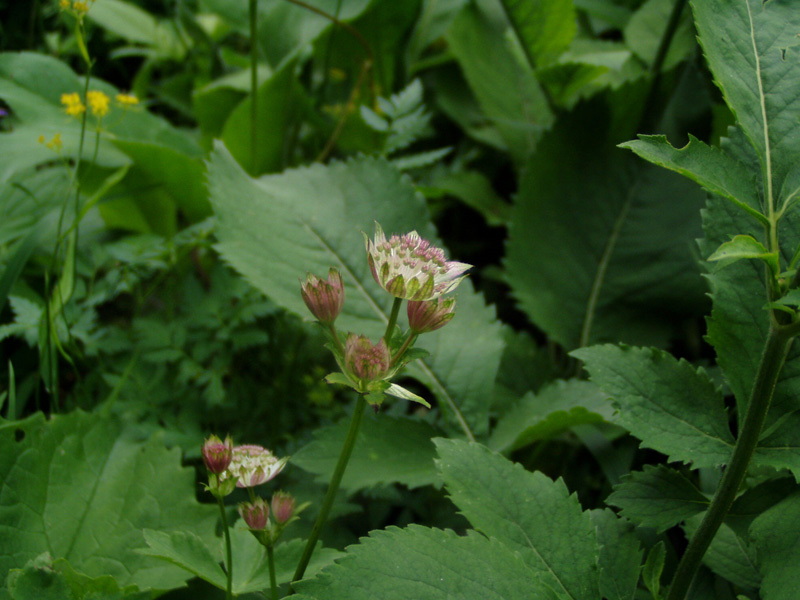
[255,514]
[365,361]
[324,298]
[217,454]
[429,315]
[282,507]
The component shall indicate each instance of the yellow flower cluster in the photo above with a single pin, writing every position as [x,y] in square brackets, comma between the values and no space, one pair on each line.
[126,100]
[72,104]
[54,144]
[98,102]
[79,7]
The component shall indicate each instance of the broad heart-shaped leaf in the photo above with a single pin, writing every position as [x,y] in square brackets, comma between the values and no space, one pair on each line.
[277,228]
[658,497]
[752,49]
[45,579]
[620,555]
[545,27]
[556,408]
[507,90]
[775,534]
[605,256]
[77,487]
[729,555]
[417,562]
[666,403]
[387,450]
[538,518]
[738,329]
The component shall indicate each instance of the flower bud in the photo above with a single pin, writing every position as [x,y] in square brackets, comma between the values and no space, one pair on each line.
[282,507]
[255,514]
[429,315]
[324,298]
[365,361]
[217,454]
[253,465]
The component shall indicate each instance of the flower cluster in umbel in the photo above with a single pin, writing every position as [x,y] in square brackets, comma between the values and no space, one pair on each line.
[408,268]
[248,466]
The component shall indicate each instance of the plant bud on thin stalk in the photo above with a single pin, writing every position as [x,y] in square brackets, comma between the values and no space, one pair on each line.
[325,299]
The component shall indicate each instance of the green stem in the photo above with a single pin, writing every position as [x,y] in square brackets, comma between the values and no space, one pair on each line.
[273,581]
[253,85]
[333,487]
[775,350]
[392,320]
[228,552]
[409,340]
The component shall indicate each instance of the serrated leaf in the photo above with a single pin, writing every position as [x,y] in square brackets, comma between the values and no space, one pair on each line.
[540,519]
[658,497]
[729,556]
[545,27]
[666,403]
[775,534]
[556,408]
[417,562]
[620,555]
[78,488]
[753,54]
[574,243]
[709,166]
[277,228]
[745,246]
[387,450]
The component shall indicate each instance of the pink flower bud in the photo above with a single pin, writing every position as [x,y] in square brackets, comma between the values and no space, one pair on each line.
[255,514]
[410,267]
[365,361]
[282,507]
[324,298]
[430,315]
[253,465]
[217,454]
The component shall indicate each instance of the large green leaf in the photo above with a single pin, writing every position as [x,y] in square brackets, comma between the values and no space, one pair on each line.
[620,555]
[544,27]
[752,49]
[775,534]
[646,27]
[666,403]
[539,519]
[606,256]
[416,562]
[552,411]
[658,497]
[506,89]
[77,487]
[276,229]
[387,450]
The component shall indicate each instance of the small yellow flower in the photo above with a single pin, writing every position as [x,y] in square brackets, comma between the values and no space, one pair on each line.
[126,100]
[41,138]
[55,143]
[72,104]
[98,102]
[64,4]
[80,7]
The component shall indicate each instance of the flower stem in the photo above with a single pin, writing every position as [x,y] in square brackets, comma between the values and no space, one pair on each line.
[776,348]
[228,552]
[253,85]
[333,487]
[273,582]
[409,340]
[392,320]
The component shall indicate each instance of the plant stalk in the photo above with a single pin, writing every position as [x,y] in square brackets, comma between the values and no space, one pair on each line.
[228,551]
[333,487]
[253,85]
[273,581]
[392,320]
[776,348]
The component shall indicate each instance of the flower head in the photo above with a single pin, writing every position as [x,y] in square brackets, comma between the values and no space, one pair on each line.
[72,104]
[282,507]
[324,298]
[429,315]
[410,267]
[255,514]
[126,100]
[253,465]
[365,361]
[98,102]
[217,455]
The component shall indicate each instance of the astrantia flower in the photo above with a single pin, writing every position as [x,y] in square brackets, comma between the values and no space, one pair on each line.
[217,455]
[410,267]
[255,514]
[365,361]
[324,298]
[253,465]
[282,507]
[430,315]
